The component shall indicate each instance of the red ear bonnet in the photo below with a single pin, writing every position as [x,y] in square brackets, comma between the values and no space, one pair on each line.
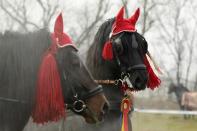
[127,25]
[58,28]
[119,26]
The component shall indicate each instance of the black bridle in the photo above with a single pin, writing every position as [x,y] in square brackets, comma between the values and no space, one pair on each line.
[78,105]
[12,100]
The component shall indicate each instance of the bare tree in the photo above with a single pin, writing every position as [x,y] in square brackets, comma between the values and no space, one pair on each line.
[149,8]
[88,25]
[125,3]
[195,84]
[17,10]
[179,39]
[48,11]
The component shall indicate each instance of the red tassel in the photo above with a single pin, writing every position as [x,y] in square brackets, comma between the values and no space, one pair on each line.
[49,103]
[107,53]
[153,80]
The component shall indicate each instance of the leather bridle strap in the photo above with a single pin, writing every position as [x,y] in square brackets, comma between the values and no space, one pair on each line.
[108,82]
[12,100]
[93,92]
[79,106]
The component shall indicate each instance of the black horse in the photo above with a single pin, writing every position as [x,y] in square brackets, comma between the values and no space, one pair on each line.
[20,57]
[179,90]
[123,62]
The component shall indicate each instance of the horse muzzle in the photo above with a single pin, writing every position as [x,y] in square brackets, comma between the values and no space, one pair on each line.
[137,77]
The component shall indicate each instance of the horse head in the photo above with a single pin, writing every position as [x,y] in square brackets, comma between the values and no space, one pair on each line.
[177,88]
[64,81]
[125,53]
[172,88]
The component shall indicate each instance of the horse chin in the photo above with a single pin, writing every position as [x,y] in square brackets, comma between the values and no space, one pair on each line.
[90,120]
[139,86]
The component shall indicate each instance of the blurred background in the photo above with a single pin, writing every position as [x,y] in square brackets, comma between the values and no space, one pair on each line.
[169,26]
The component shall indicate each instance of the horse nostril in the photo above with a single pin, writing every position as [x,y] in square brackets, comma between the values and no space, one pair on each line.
[137,81]
[105,108]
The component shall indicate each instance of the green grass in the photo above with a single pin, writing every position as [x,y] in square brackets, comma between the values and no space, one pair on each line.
[157,122]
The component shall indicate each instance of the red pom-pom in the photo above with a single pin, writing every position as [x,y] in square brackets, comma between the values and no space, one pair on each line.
[107,53]
[153,80]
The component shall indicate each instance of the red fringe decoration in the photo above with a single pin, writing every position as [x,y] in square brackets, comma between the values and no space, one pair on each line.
[107,53]
[49,103]
[153,80]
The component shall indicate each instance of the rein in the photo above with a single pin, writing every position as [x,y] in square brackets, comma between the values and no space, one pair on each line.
[12,100]
[123,80]
[108,82]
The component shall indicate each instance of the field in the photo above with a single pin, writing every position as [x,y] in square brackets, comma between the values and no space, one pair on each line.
[142,121]
[156,122]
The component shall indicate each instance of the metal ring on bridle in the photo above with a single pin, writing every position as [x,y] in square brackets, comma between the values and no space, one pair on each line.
[79,106]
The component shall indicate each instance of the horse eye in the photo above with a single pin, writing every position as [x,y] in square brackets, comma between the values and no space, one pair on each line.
[118,46]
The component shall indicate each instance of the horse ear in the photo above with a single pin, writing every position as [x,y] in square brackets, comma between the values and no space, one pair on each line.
[133,19]
[107,52]
[120,15]
[58,29]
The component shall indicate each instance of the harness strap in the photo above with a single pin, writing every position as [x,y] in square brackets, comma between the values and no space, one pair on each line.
[79,106]
[87,110]
[114,82]
[12,100]
[93,92]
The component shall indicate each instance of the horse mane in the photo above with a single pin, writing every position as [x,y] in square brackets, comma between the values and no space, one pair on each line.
[94,60]
[20,55]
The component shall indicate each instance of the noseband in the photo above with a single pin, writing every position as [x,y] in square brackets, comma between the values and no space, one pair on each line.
[78,105]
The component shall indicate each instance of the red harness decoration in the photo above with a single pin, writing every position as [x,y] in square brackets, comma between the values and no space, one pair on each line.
[125,108]
[120,25]
[153,79]
[49,101]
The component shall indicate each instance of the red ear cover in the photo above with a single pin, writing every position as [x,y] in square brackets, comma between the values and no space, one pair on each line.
[107,53]
[58,28]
